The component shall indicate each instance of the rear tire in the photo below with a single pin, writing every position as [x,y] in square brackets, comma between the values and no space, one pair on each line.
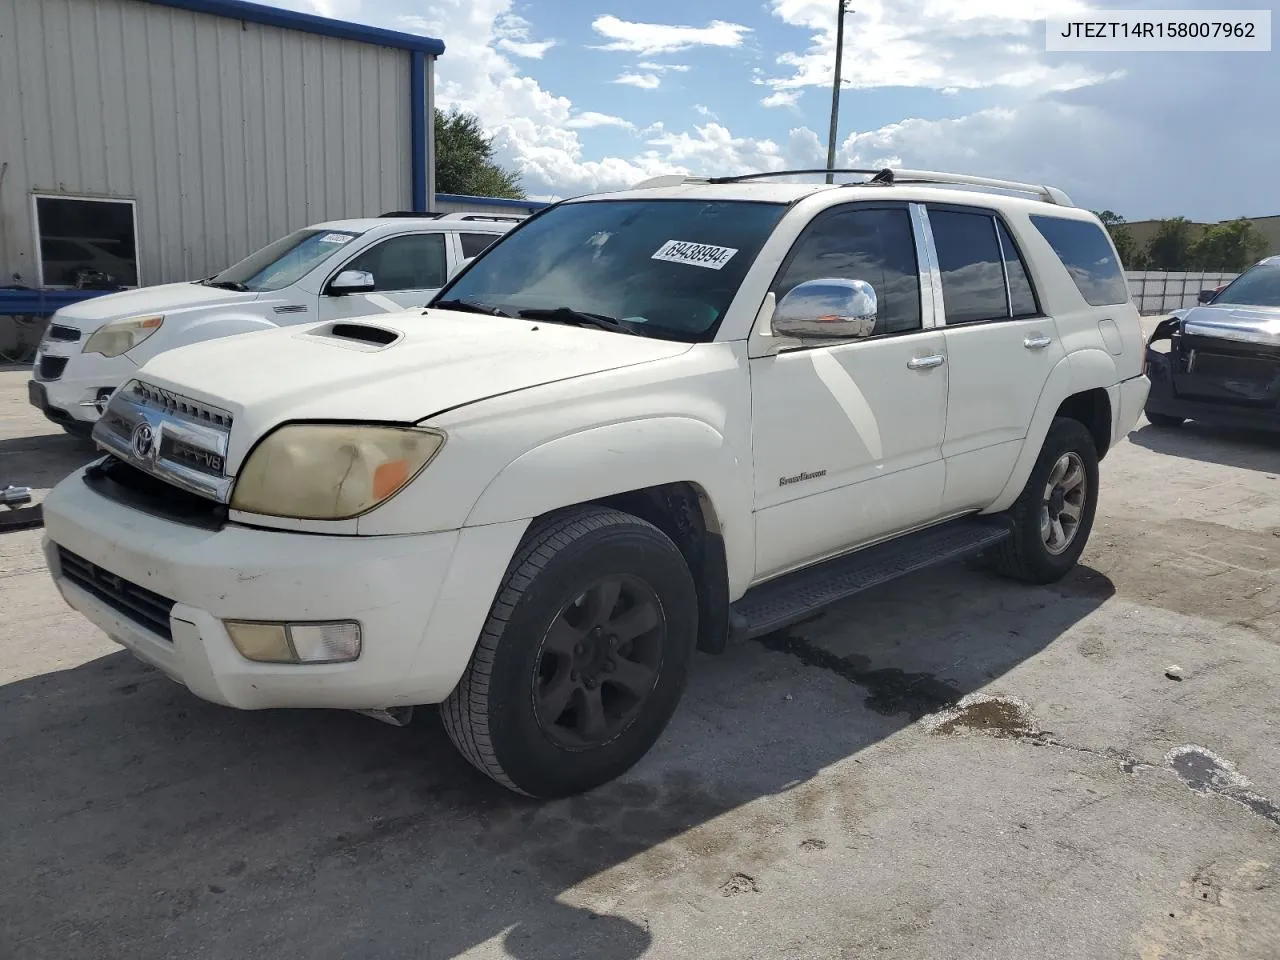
[1053,516]
[1164,419]
[583,659]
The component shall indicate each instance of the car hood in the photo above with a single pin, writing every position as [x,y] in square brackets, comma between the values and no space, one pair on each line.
[438,360]
[165,298]
[1242,324]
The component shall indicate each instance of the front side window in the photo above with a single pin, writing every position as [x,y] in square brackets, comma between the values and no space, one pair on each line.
[875,245]
[412,262]
[1256,287]
[663,268]
[86,242]
[1086,252]
[284,262]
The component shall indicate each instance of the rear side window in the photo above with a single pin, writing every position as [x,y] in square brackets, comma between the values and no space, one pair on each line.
[1086,253]
[473,243]
[1022,299]
[971,264]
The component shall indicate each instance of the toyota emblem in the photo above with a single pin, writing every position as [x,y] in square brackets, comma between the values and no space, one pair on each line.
[143,442]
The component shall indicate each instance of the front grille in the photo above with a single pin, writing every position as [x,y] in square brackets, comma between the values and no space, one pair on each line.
[51,367]
[127,485]
[57,331]
[178,405]
[146,609]
[1234,366]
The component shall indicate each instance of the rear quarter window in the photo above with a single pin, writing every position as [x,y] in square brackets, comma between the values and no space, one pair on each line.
[1086,252]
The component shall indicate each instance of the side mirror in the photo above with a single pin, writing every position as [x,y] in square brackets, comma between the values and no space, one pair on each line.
[460,267]
[828,309]
[351,281]
[1207,295]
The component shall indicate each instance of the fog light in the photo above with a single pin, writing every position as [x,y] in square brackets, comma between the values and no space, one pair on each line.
[325,642]
[337,642]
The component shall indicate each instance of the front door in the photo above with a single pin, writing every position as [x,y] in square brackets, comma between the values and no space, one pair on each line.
[1000,348]
[407,271]
[847,436]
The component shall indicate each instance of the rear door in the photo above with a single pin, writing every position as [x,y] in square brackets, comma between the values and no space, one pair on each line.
[1000,348]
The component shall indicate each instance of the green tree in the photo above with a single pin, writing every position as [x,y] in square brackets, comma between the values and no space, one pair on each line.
[464,159]
[1132,257]
[1170,246]
[1230,246]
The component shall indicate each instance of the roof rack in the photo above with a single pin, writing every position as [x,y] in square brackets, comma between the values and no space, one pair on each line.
[422,215]
[882,177]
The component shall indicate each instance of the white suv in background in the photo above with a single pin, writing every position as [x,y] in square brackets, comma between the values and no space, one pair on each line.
[343,268]
[644,423]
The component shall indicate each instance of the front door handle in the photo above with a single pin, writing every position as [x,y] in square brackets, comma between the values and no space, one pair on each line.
[1037,342]
[921,363]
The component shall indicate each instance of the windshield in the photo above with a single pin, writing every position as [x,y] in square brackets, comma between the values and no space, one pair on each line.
[664,268]
[1259,287]
[286,261]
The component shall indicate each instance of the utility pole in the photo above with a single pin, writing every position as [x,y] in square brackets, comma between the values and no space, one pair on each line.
[835,87]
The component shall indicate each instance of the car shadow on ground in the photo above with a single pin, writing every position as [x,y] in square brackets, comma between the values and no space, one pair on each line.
[1227,446]
[40,462]
[142,822]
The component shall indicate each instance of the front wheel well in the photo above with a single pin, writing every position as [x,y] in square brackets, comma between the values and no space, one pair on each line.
[683,511]
[1093,409]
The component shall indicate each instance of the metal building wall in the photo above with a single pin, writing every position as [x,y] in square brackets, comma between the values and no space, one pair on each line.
[228,134]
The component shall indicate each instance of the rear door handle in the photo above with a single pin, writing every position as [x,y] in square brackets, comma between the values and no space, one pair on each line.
[1037,342]
[921,363]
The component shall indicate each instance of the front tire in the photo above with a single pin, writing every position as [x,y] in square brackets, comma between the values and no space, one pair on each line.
[583,659]
[1053,516]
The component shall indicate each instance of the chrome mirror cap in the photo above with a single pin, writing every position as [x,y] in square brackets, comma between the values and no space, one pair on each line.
[829,309]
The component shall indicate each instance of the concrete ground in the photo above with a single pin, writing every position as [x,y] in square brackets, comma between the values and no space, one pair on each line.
[823,794]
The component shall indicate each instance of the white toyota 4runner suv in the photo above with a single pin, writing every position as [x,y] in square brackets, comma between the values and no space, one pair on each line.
[641,423]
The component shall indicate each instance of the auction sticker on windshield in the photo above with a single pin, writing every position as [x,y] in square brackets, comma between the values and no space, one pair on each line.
[334,238]
[694,254]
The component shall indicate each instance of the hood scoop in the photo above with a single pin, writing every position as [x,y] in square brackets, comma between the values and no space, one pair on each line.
[360,335]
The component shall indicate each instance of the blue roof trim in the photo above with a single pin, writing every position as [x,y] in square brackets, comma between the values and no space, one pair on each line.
[491,201]
[41,302]
[309,23]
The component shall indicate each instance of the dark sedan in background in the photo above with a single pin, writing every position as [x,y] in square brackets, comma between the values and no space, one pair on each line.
[1221,363]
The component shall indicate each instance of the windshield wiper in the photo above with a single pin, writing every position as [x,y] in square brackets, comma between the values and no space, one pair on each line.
[225,284]
[471,306]
[579,318]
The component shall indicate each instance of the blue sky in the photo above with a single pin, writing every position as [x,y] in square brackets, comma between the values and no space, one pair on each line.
[587,95]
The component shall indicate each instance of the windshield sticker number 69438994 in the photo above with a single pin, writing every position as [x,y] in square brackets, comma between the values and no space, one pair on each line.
[695,254]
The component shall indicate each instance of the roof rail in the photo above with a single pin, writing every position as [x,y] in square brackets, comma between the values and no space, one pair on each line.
[883,177]
[1041,191]
[413,214]
[504,217]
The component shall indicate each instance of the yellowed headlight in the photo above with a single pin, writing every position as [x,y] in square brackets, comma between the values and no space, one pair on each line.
[121,336]
[323,471]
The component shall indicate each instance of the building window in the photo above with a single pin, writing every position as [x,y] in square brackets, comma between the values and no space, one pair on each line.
[86,242]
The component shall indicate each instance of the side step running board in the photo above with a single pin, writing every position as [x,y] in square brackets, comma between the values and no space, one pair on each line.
[796,596]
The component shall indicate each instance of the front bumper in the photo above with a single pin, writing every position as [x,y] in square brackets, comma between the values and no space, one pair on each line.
[421,600]
[1164,399]
[68,400]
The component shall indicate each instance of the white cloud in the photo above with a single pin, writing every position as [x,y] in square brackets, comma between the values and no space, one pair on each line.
[935,44]
[513,37]
[645,81]
[651,38]
[662,67]
[589,118]
[704,111]
[782,98]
